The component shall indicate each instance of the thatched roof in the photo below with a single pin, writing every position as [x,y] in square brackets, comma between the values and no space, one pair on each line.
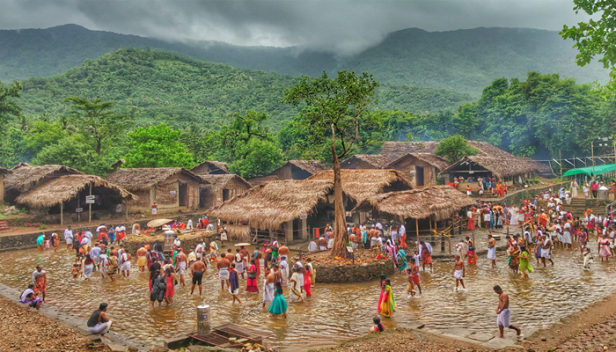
[141,179]
[261,180]
[378,161]
[217,182]
[213,165]
[501,163]
[270,205]
[310,166]
[65,188]
[431,159]
[438,202]
[497,166]
[361,184]
[23,177]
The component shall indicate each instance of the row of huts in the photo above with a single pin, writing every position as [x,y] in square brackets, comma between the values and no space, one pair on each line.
[401,166]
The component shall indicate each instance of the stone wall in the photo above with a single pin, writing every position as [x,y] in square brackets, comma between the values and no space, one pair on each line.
[353,273]
[519,196]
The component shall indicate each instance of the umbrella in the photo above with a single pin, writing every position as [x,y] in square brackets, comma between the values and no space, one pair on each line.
[242,244]
[159,222]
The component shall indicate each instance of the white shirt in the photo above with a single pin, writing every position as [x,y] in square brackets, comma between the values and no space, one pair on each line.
[68,234]
[189,225]
[312,247]
[379,226]
[120,229]
[402,230]
[567,227]
[88,235]
[98,229]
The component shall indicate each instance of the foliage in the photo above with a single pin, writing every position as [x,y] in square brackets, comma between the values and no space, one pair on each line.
[454,148]
[97,120]
[246,145]
[597,36]
[156,146]
[8,106]
[76,152]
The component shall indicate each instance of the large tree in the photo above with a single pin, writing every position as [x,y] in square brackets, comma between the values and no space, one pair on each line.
[8,107]
[335,107]
[597,36]
[157,146]
[454,148]
[97,120]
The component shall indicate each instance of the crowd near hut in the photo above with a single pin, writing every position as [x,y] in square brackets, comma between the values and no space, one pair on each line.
[217,189]
[172,189]
[210,168]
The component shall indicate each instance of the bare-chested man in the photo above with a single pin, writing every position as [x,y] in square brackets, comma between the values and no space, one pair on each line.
[142,260]
[492,249]
[230,256]
[268,288]
[224,266]
[245,259]
[277,274]
[283,250]
[459,272]
[504,314]
[198,268]
[181,265]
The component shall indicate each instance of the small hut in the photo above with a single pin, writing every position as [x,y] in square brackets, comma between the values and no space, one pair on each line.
[422,169]
[277,207]
[418,207]
[173,189]
[220,188]
[3,172]
[69,192]
[210,168]
[366,161]
[24,177]
[298,169]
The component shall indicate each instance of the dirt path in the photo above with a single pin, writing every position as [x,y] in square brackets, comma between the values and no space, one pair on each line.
[26,330]
[591,329]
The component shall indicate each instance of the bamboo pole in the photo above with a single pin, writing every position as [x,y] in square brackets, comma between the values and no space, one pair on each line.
[417,230]
[61,213]
[90,207]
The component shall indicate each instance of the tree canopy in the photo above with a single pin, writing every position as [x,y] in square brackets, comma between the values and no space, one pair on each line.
[156,146]
[454,148]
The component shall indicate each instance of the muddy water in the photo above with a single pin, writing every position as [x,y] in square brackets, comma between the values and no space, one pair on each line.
[335,312]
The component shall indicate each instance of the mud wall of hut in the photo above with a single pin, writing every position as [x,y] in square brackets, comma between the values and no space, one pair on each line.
[211,198]
[408,165]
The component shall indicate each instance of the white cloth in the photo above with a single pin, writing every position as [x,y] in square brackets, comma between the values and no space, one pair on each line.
[223,236]
[189,224]
[458,274]
[588,259]
[100,328]
[24,295]
[87,270]
[284,271]
[545,253]
[504,318]
[312,247]
[330,243]
[181,268]
[68,235]
[125,262]
[268,292]
[239,266]
[223,274]
[37,273]
[492,253]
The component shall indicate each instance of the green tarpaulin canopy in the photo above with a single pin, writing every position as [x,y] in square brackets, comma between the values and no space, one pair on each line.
[599,169]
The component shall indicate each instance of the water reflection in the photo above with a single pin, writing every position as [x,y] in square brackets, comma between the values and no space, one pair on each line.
[336,311]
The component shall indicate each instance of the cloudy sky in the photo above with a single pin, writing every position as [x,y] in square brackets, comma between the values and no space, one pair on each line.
[341,26]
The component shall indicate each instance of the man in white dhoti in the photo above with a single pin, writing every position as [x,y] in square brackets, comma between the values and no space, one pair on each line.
[268,288]
[284,271]
[503,319]
[492,249]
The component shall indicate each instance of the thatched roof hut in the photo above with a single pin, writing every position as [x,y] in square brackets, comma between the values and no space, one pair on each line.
[4,171]
[431,159]
[261,180]
[269,206]
[497,166]
[210,167]
[171,188]
[65,188]
[361,184]
[436,202]
[220,188]
[24,177]
[298,169]
[367,161]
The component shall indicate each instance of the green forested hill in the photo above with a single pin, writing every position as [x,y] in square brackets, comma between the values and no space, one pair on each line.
[157,86]
[463,60]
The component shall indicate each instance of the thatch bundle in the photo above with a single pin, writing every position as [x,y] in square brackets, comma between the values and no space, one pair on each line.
[261,180]
[4,171]
[65,188]
[23,177]
[437,202]
[269,206]
[142,179]
[361,184]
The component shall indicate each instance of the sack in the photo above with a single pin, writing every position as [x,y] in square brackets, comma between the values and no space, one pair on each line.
[252,275]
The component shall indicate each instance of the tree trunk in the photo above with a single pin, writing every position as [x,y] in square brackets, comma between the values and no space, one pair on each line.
[341,236]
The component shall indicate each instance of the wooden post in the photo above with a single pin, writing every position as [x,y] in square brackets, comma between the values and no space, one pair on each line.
[126,204]
[90,207]
[417,230]
[61,213]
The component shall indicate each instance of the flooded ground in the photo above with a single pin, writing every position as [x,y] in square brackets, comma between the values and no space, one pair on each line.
[336,312]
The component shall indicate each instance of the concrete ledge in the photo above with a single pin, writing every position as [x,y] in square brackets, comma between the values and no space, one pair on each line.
[354,273]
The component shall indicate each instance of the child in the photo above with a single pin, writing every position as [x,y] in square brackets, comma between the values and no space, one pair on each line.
[588,258]
[410,286]
[378,327]
[417,258]
[76,268]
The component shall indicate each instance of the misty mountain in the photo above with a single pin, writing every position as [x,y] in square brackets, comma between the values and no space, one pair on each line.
[461,60]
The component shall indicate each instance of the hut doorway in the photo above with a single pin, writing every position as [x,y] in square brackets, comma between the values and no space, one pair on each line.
[226,194]
[419,175]
[183,194]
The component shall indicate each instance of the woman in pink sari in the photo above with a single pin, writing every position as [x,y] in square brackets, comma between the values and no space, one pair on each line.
[604,248]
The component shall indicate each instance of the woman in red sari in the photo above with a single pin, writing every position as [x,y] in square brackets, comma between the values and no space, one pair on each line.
[251,282]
